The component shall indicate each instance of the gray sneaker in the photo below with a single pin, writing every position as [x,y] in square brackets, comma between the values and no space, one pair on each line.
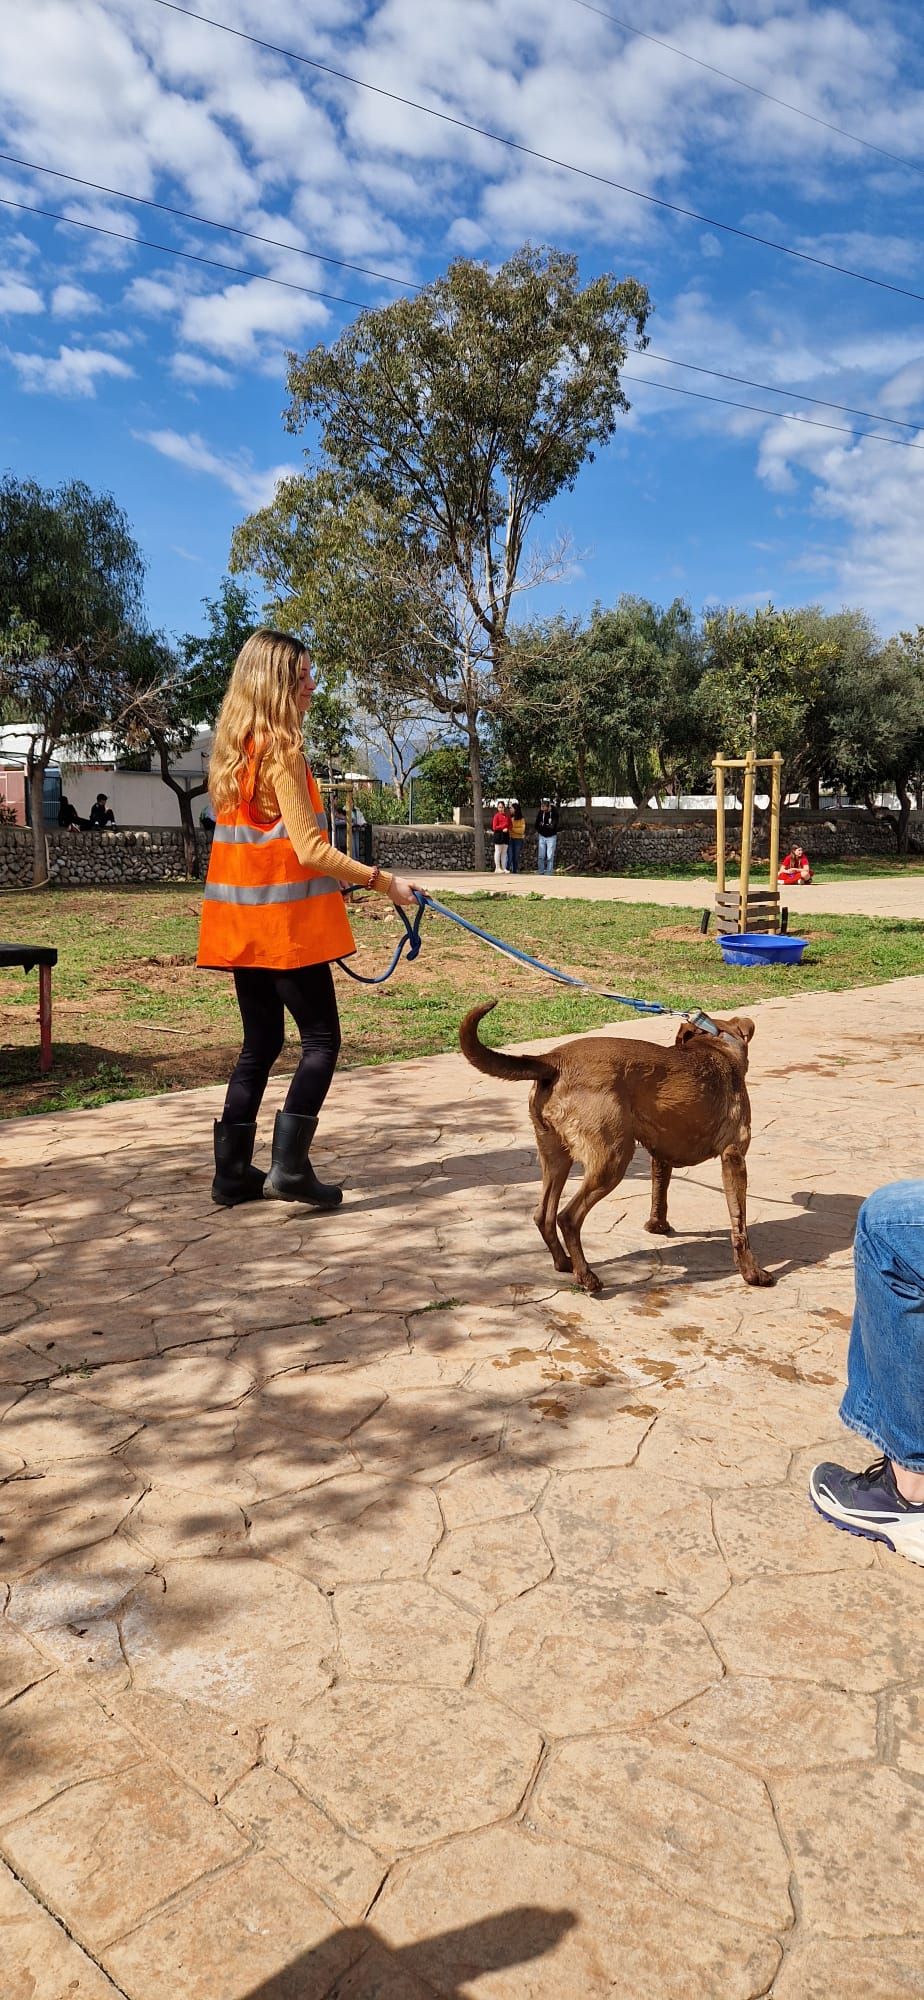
[869,1504]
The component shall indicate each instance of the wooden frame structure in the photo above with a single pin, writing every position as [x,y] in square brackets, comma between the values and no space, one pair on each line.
[744,908]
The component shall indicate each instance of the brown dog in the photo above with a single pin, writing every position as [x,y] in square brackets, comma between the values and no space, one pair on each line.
[596,1100]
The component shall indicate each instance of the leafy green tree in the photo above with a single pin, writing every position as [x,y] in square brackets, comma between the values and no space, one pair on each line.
[546,723]
[643,665]
[606,709]
[877,728]
[166,693]
[71,598]
[327,729]
[853,650]
[207,657]
[448,422]
[762,672]
[441,782]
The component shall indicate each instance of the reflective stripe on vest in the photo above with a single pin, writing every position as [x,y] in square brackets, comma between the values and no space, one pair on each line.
[242,835]
[271,892]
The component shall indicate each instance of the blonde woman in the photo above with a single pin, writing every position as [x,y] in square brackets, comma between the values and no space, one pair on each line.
[274,915]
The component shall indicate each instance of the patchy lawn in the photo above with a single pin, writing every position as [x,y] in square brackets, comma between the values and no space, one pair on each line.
[133,1015]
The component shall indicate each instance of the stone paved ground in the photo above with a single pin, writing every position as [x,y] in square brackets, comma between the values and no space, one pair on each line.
[385,1619]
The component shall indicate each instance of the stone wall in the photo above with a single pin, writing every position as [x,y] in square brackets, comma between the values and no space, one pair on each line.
[100,860]
[657,841]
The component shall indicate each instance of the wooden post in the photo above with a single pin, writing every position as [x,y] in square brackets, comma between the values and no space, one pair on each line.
[747,824]
[44,973]
[776,787]
[349,820]
[718,765]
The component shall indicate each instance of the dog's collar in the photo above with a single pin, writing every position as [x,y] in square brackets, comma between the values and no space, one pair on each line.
[698,1019]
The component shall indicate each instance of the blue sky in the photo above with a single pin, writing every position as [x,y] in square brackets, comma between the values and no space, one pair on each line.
[164,381]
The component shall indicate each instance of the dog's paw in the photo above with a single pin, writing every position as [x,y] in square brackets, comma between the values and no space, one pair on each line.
[758,1277]
[656,1228]
[561,1260]
[591,1283]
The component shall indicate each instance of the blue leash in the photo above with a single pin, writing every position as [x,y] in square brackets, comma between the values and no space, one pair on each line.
[411,942]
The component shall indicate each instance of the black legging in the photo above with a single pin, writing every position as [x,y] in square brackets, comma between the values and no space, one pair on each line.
[263,997]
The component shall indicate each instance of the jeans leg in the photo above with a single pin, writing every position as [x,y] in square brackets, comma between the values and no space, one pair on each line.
[884,1399]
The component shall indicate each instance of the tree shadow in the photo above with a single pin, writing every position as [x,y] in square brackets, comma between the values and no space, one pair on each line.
[437,1965]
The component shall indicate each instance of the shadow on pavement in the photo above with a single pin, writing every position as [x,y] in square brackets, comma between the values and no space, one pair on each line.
[437,1965]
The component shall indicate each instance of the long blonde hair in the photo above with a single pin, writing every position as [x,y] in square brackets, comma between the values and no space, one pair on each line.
[259,712]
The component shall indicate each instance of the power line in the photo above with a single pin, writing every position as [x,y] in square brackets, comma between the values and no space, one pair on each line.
[338,298]
[783,389]
[779,416]
[641,35]
[188,256]
[206,221]
[547,159]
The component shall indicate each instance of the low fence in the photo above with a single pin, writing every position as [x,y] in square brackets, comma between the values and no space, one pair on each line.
[656,841]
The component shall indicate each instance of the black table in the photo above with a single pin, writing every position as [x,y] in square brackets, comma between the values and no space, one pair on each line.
[29,956]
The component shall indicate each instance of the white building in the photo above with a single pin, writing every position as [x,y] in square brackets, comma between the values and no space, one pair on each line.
[137,798]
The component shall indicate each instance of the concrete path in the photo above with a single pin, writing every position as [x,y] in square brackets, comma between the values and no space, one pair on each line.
[385,1619]
[871,896]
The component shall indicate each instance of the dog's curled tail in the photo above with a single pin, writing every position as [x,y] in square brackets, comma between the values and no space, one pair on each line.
[493,1061]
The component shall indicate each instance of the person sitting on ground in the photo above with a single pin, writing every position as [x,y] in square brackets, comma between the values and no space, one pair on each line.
[500,829]
[68,817]
[795,867]
[546,836]
[884,1398]
[101,815]
[517,836]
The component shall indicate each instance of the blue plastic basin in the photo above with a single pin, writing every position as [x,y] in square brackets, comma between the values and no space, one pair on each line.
[758,948]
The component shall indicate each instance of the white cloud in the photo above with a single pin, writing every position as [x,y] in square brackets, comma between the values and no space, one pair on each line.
[234,470]
[18,297]
[74,302]
[873,495]
[73,371]
[237,321]
[194,373]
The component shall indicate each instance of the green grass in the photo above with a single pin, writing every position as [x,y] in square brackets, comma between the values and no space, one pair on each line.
[853,869]
[134,1016]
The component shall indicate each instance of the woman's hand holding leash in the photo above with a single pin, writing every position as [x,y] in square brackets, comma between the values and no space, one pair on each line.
[402,892]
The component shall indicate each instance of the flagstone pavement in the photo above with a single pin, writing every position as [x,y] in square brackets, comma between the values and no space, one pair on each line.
[383,1618]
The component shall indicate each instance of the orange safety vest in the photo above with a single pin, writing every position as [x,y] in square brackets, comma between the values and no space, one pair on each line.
[262,905]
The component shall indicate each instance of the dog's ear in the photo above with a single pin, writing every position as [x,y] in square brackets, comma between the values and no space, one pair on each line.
[685,1033]
[743,1027]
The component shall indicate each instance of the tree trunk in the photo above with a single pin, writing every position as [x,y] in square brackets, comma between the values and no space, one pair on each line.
[814,791]
[903,822]
[638,795]
[184,799]
[40,871]
[190,837]
[474,765]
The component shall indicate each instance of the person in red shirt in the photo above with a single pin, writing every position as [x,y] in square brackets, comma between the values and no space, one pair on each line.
[500,829]
[795,867]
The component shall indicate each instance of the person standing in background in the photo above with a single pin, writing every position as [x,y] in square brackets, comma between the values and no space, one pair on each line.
[500,830]
[547,836]
[517,835]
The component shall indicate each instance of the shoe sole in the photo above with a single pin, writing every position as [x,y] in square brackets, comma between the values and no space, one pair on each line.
[866,1534]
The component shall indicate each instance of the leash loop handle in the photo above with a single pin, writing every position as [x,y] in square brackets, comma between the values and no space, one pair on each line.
[409,943]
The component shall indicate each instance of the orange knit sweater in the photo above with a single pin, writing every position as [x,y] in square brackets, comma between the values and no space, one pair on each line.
[282,788]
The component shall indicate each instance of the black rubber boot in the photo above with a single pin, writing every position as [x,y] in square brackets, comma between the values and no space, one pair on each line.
[235,1179]
[291,1176]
